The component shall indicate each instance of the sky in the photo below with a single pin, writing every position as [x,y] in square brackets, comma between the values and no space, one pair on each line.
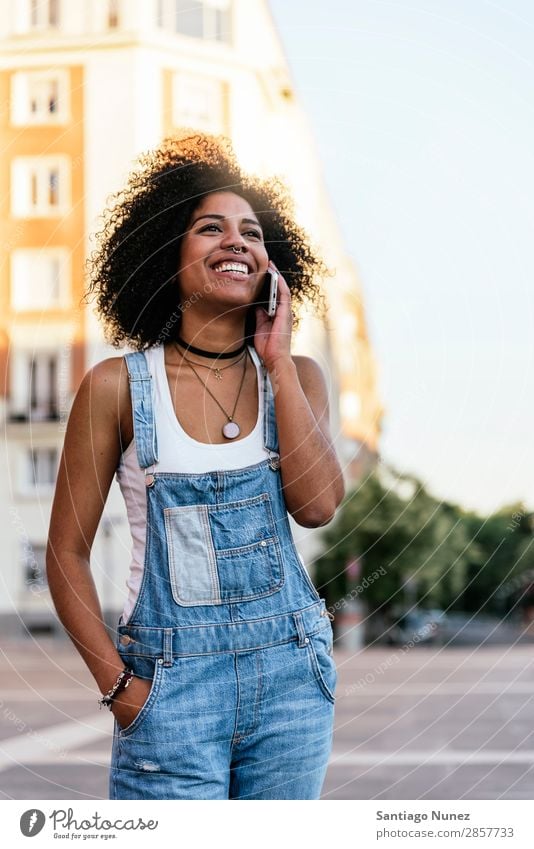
[422,113]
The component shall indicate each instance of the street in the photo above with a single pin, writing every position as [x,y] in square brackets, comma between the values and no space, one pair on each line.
[424,723]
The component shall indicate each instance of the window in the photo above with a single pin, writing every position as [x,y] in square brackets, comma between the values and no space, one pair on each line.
[351,405]
[217,21]
[209,19]
[53,187]
[43,97]
[44,14]
[198,102]
[189,18]
[39,186]
[38,396]
[113,14]
[34,566]
[39,97]
[41,468]
[39,279]
[39,380]
[43,389]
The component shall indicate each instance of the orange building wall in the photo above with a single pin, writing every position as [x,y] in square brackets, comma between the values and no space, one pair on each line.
[62,231]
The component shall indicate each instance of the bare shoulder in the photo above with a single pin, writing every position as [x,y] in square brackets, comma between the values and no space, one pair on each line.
[105,383]
[104,392]
[108,374]
[94,441]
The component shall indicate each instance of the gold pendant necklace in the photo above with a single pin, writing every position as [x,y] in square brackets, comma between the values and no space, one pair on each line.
[217,370]
[231,429]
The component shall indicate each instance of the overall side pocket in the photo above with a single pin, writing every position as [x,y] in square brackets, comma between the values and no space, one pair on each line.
[320,648]
[147,705]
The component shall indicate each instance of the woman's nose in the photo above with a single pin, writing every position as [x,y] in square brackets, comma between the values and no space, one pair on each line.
[234,238]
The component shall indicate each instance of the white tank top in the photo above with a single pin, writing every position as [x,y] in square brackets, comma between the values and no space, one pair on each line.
[178,452]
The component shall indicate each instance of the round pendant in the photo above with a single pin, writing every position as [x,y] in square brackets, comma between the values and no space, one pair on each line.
[231,430]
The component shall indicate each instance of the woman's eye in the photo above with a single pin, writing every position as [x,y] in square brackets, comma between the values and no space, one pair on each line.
[211,227]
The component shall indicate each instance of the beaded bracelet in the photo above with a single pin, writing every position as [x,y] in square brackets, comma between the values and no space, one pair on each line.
[123,679]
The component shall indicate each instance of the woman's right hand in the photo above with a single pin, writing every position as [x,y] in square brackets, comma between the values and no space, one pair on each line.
[128,703]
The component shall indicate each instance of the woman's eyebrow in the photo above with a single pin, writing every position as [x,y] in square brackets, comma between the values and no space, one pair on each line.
[222,217]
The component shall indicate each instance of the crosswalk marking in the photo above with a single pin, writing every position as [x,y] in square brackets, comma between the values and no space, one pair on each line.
[431,758]
[54,743]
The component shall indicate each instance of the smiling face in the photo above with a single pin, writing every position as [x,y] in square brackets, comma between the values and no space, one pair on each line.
[208,265]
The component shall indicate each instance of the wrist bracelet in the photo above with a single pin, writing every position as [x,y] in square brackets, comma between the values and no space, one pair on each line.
[123,679]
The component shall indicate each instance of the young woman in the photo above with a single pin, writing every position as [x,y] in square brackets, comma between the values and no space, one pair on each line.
[221,678]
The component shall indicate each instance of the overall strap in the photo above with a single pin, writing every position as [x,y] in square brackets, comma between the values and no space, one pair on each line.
[270,433]
[142,394]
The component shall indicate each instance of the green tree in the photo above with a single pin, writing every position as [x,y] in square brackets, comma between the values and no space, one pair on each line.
[496,578]
[394,527]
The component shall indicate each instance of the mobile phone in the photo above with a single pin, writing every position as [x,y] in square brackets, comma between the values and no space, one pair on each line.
[269,291]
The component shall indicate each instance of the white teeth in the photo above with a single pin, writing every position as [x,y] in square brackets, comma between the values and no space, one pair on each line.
[232,266]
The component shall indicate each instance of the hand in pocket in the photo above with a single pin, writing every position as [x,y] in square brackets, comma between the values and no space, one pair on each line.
[129,702]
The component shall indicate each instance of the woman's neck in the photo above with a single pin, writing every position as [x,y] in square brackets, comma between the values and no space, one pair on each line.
[213,336]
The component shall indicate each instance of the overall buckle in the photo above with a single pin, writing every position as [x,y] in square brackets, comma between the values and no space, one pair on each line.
[274,461]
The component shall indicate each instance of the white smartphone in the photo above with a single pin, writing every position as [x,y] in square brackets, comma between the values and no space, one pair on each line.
[269,292]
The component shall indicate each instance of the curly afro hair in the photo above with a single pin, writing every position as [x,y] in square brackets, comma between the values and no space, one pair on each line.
[134,270]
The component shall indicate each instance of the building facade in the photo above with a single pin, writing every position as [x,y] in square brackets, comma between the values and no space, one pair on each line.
[85,87]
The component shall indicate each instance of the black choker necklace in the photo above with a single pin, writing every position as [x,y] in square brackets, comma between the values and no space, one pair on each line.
[201,353]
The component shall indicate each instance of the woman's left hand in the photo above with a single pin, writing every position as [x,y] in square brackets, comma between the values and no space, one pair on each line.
[272,339]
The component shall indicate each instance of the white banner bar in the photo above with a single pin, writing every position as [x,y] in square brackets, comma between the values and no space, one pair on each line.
[358,824]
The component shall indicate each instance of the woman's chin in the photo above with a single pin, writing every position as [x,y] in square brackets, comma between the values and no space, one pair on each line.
[231,305]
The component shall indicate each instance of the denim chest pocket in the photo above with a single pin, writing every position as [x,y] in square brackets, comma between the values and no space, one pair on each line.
[223,552]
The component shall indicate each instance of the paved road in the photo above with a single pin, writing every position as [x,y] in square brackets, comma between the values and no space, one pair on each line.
[427,723]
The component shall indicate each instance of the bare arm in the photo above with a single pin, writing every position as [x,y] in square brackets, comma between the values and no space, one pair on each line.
[311,474]
[93,444]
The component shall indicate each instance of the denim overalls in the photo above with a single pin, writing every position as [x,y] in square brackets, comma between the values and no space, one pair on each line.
[230,630]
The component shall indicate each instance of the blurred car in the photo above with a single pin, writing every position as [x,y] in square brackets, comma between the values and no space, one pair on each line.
[414,626]
[436,615]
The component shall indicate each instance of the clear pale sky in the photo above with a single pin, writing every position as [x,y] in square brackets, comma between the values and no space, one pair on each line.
[423,114]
